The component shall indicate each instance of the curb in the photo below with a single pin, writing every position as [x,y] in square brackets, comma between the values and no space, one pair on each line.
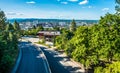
[17,62]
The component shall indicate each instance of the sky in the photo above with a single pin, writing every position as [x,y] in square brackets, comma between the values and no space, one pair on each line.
[57,9]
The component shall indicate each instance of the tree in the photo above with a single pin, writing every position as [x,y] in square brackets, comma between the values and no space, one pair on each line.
[73,26]
[117,7]
[8,44]
[83,52]
[9,27]
[61,40]
[2,20]
[97,45]
[56,28]
[17,29]
[34,27]
[110,68]
[39,28]
[16,26]
[109,31]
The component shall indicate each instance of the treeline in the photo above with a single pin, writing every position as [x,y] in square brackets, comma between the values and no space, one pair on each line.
[33,31]
[9,34]
[96,46]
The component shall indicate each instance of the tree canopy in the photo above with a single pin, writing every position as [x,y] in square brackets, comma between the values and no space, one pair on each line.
[2,20]
[8,44]
[95,46]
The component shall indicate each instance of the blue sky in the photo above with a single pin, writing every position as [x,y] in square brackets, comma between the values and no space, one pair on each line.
[57,9]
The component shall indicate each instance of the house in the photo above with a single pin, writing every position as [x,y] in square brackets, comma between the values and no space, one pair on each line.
[48,35]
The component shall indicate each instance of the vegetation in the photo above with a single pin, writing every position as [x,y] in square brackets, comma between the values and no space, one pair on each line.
[9,35]
[95,46]
[42,42]
[73,26]
[117,7]
[61,40]
[33,31]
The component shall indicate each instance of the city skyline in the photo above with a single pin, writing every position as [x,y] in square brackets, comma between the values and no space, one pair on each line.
[57,9]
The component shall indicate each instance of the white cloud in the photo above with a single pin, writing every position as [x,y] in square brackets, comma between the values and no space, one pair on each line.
[73,0]
[83,2]
[64,3]
[31,2]
[13,13]
[20,14]
[105,9]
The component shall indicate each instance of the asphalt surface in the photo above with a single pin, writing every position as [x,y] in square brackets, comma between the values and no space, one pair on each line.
[55,66]
[31,61]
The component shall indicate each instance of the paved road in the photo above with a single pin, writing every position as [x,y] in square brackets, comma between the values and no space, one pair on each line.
[32,61]
[55,66]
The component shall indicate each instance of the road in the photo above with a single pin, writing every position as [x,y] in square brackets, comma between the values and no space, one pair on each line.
[31,61]
[55,66]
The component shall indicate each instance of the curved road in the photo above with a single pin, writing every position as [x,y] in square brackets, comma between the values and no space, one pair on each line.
[55,66]
[31,61]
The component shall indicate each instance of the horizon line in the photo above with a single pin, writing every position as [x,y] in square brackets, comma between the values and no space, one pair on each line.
[53,18]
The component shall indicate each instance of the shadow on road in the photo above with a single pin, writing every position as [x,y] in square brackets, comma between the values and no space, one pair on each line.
[54,62]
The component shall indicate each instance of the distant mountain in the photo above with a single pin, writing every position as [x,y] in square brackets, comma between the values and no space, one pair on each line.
[49,20]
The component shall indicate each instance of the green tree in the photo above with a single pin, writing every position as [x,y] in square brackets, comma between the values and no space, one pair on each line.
[17,29]
[73,26]
[61,40]
[109,26]
[2,20]
[117,7]
[56,28]
[9,27]
[110,68]
[83,52]
[8,44]
[16,26]
[96,45]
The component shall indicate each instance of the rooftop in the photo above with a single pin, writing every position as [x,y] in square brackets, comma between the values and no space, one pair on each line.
[49,32]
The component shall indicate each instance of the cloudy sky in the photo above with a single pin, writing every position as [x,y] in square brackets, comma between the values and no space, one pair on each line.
[57,9]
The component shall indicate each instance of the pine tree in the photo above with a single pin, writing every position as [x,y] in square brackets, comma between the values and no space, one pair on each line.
[16,26]
[17,29]
[117,7]
[73,26]
[9,27]
[2,20]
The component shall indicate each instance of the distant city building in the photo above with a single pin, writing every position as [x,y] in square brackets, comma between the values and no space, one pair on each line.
[51,23]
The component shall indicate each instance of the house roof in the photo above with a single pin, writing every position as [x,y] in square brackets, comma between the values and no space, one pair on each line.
[49,32]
